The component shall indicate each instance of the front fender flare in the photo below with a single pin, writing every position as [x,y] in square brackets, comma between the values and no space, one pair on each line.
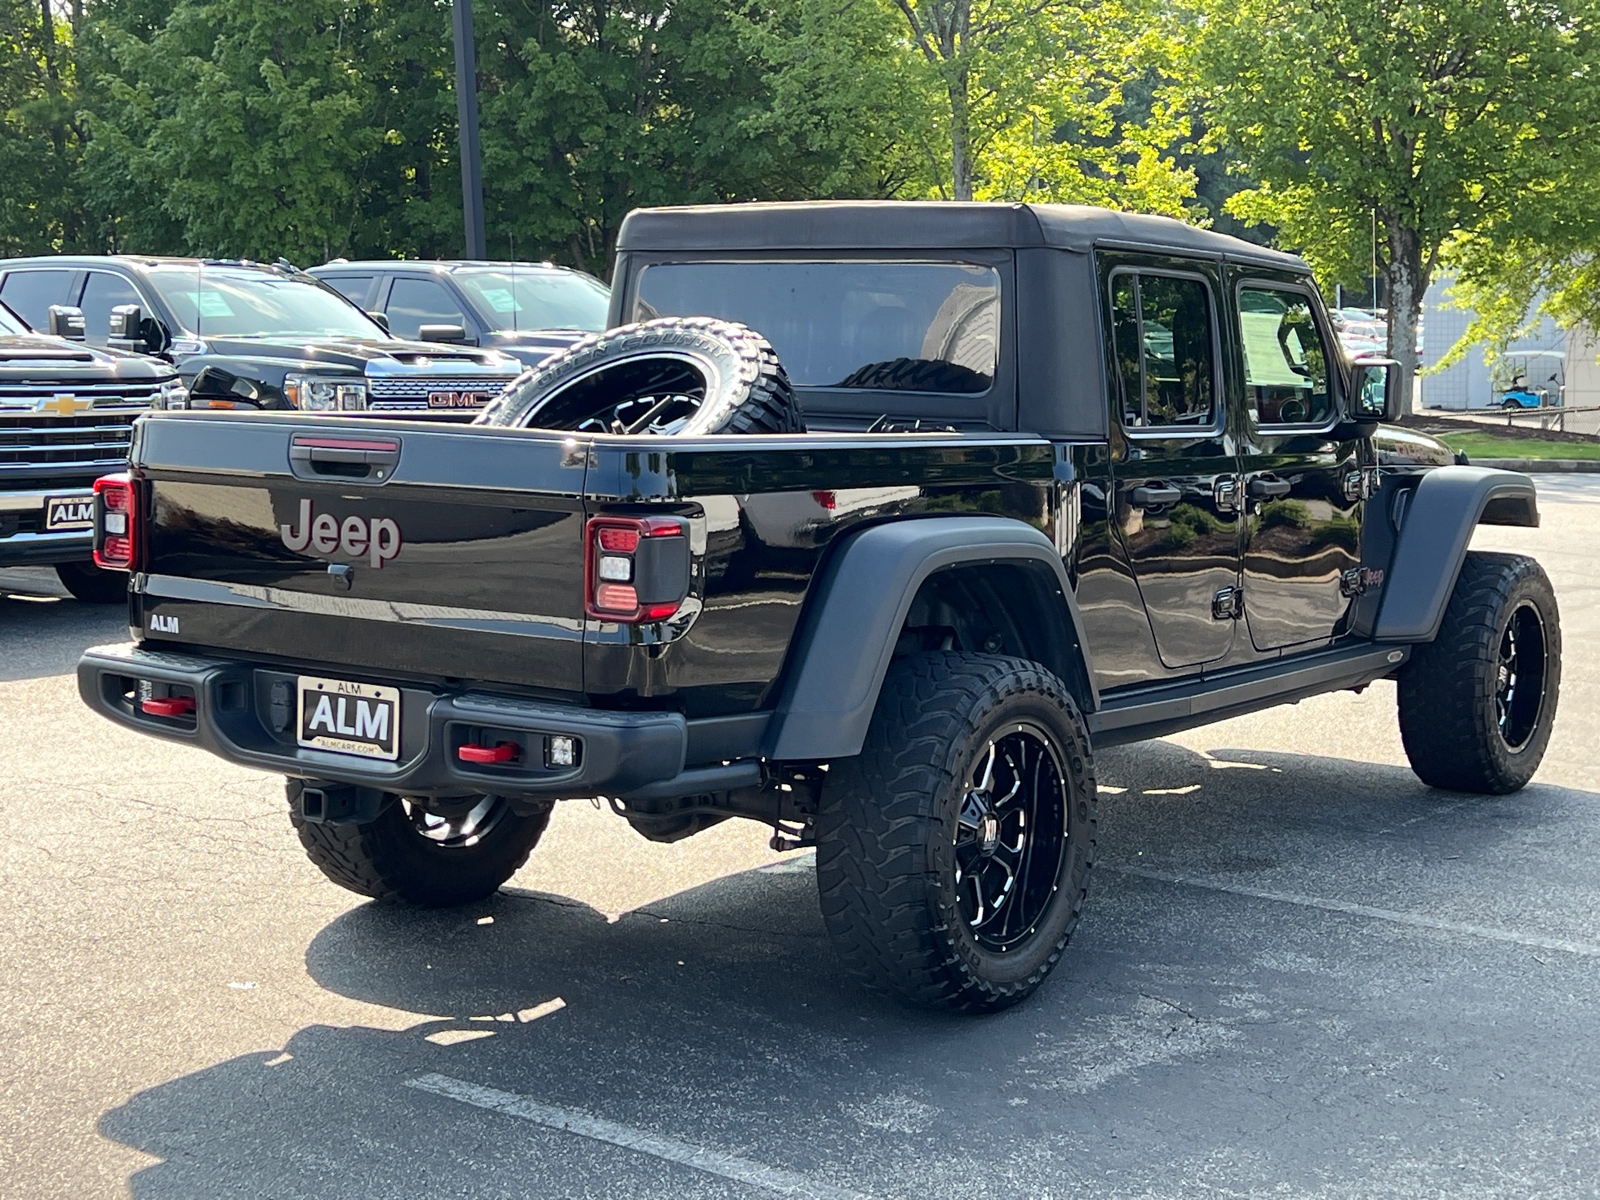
[843,648]
[1436,525]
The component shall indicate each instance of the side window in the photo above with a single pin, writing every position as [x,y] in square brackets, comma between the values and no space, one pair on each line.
[1285,361]
[101,294]
[354,288]
[31,293]
[1166,365]
[414,303]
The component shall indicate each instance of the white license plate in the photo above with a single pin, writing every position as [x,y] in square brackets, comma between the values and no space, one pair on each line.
[68,512]
[350,718]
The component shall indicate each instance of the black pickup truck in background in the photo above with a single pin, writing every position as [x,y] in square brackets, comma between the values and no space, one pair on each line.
[66,416]
[529,310]
[254,336]
[1000,484]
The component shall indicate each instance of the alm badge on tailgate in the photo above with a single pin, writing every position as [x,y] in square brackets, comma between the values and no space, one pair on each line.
[350,718]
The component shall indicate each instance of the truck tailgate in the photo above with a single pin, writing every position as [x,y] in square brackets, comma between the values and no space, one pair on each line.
[387,546]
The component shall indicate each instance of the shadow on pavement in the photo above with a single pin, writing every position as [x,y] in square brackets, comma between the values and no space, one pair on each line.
[44,630]
[1191,1041]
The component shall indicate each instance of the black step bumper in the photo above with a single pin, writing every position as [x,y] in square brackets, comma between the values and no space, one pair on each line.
[239,713]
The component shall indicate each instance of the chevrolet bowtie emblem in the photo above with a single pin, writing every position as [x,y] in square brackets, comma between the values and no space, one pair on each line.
[64,403]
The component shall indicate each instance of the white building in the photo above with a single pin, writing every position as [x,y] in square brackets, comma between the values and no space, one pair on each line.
[1561,362]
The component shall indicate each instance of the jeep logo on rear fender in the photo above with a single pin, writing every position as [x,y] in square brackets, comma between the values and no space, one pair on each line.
[323,533]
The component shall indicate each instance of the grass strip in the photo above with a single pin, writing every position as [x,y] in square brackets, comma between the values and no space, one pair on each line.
[1490,445]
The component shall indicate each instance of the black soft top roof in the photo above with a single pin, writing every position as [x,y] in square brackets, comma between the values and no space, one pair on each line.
[925,225]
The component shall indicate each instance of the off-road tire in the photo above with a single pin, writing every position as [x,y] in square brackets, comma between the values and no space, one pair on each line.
[916,375]
[744,385]
[887,825]
[1449,720]
[91,585]
[387,859]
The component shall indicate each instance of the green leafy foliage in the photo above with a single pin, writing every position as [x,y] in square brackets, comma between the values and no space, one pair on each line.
[1429,119]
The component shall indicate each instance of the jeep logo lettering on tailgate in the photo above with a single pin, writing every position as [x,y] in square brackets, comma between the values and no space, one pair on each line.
[324,533]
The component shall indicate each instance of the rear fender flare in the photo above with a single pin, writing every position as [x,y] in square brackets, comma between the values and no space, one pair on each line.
[845,643]
[1436,520]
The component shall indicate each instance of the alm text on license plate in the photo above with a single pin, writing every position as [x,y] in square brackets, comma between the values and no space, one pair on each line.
[350,718]
[68,512]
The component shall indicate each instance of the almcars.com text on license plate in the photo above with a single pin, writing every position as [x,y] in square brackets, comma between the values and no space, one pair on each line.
[350,718]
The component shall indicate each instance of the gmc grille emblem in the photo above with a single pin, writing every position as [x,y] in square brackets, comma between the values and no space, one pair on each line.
[457,399]
[323,533]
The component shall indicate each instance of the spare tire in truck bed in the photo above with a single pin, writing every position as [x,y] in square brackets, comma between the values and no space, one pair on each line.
[678,375]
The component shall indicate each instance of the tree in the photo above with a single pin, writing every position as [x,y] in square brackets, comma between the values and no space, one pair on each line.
[41,136]
[1435,119]
[1033,99]
[589,111]
[247,123]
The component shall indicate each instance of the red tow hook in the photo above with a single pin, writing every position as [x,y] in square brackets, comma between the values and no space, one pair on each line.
[168,706]
[504,752]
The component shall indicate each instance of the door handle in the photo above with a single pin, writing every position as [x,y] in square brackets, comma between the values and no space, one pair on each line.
[349,458]
[1154,495]
[1270,487]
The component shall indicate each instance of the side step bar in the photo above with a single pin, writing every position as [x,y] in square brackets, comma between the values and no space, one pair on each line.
[1149,712]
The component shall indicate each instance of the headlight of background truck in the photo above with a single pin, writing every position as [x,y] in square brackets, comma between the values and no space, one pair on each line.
[315,393]
[173,395]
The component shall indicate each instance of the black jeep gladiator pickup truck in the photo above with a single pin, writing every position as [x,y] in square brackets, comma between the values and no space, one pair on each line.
[999,484]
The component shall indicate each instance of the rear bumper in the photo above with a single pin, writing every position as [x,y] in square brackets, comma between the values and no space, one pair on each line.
[245,714]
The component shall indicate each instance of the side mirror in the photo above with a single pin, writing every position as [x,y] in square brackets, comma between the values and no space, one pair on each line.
[125,332]
[1375,391]
[66,322]
[453,334]
[381,319]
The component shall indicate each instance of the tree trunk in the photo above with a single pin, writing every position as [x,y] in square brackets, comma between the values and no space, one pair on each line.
[1407,283]
[960,137]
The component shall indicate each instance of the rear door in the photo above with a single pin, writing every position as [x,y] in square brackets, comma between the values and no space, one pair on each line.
[1303,486]
[372,549]
[1174,456]
[102,292]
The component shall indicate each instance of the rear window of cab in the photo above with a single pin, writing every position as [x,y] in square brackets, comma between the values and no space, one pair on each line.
[890,326]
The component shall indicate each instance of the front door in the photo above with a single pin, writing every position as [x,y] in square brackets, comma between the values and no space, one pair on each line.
[1302,485]
[1173,456]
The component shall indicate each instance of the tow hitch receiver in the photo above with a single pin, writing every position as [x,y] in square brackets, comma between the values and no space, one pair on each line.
[340,804]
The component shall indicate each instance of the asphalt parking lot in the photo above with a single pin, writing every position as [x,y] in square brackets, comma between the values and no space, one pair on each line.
[1300,974]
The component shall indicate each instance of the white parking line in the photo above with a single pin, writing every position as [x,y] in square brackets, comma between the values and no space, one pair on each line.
[571,1120]
[1416,920]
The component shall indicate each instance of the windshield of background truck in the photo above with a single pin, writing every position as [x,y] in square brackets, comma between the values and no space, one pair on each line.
[9,323]
[224,301]
[535,298]
[903,326]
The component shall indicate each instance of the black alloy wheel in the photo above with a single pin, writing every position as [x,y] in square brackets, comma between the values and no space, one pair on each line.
[459,827]
[1010,836]
[1520,676]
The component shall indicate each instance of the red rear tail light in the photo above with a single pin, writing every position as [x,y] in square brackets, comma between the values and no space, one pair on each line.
[625,541]
[636,569]
[116,523]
